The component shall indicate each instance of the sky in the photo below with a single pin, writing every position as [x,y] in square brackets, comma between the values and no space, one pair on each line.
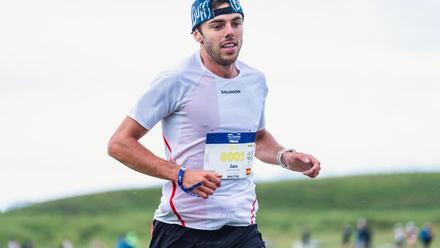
[355,83]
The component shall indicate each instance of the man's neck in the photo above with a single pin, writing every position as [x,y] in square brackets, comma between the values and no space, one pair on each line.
[225,71]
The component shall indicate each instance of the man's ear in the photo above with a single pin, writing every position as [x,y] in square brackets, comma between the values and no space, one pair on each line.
[198,36]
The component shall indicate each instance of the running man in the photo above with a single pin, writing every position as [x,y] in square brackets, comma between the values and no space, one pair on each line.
[211,108]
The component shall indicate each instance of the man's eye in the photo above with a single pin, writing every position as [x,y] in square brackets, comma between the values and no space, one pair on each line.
[217,27]
[236,24]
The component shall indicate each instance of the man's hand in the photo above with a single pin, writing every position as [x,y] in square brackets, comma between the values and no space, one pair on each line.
[302,162]
[210,181]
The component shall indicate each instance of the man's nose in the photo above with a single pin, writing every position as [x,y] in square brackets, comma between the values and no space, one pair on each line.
[229,30]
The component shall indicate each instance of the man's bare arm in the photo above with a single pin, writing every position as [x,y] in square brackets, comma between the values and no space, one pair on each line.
[267,148]
[124,146]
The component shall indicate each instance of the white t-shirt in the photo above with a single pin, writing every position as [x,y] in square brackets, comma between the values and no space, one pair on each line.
[191,101]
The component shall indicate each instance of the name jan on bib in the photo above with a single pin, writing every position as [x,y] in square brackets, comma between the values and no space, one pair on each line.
[230,154]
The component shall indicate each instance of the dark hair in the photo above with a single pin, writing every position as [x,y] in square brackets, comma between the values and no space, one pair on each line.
[216,3]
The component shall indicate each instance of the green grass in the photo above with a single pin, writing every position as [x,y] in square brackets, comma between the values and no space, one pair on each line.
[323,205]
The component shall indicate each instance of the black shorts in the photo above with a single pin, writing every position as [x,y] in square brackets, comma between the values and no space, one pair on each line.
[175,236]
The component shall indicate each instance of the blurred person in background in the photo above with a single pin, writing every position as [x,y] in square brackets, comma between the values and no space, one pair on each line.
[346,236]
[306,238]
[122,243]
[363,237]
[426,235]
[13,243]
[28,244]
[399,235]
[411,231]
[66,243]
[130,240]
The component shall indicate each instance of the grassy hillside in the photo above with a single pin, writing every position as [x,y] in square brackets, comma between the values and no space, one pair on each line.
[406,191]
[323,205]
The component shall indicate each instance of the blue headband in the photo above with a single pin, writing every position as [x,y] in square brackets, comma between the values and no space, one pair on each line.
[202,11]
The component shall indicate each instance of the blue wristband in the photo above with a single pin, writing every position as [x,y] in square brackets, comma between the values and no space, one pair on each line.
[180,183]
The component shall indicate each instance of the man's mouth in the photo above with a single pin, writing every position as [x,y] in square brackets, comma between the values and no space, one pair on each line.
[230,44]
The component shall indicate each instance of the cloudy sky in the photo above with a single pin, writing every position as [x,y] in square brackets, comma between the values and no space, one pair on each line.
[356,83]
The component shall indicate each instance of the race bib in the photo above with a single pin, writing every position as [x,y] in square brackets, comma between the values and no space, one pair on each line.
[230,154]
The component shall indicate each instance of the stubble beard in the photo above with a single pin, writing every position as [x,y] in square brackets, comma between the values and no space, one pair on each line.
[216,56]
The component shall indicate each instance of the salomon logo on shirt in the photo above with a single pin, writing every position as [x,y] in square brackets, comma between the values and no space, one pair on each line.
[231,91]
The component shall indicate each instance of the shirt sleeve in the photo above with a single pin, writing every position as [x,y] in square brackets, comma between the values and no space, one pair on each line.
[262,123]
[161,99]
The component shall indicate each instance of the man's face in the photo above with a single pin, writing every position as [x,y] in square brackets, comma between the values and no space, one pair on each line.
[221,37]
